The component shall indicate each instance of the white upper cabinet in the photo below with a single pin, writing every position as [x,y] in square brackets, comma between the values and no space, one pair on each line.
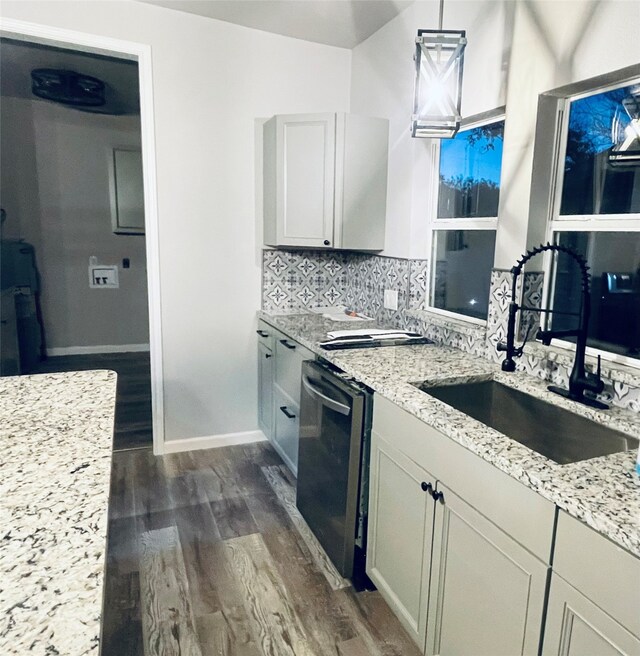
[325,181]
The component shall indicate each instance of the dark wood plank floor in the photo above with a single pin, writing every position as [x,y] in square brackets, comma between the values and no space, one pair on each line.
[133,401]
[203,559]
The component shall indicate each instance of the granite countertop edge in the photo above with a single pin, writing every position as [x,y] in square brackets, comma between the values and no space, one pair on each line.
[56,432]
[604,492]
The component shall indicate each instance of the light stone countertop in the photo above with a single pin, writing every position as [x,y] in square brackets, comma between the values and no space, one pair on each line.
[602,492]
[56,433]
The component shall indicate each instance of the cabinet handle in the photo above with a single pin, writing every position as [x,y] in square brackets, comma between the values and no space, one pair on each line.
[286,412]
[267,355]
[437,496]
[327,242]
[426,487]
[262,333]
[286,343]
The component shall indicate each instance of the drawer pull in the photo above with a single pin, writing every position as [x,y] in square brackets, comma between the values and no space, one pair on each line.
[426,487]
[286,412]
[437,496]
[262,333]
[288,344]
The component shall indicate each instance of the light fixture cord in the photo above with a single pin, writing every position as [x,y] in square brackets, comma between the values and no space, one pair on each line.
[441,15]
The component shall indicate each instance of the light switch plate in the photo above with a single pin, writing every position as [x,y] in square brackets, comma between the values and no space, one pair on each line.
[391,299]
[103,277]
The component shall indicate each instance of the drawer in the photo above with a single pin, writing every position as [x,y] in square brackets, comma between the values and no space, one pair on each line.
[289,358]
[266,334]
[517,510]
[287,428]
[605,573]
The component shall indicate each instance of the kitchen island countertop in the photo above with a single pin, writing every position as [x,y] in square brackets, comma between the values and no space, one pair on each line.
[602,492]
[56,433]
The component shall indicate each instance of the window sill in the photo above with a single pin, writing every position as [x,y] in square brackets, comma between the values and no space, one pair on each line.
[477,330]
[614,371]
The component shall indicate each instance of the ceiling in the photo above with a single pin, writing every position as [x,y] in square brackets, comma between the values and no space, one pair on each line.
[19,58]
[342,23]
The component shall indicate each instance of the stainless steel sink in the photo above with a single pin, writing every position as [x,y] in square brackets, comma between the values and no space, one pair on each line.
[552,431]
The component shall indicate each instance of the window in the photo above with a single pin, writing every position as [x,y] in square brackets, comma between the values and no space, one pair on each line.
[463,231]
[598,215]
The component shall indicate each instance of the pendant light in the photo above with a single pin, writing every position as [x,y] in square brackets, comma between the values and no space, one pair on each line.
[439,58]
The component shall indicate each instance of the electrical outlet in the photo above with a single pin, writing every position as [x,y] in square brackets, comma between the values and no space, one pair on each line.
[391,299]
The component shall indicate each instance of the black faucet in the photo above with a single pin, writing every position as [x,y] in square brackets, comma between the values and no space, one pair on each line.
[580,381]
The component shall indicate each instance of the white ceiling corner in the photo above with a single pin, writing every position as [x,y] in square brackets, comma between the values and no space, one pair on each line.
[341,23]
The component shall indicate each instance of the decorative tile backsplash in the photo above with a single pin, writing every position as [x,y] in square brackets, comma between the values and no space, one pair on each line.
[302,280]
[299,280]
[533,286]
[499,299]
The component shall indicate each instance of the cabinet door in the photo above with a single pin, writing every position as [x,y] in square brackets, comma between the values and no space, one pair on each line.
[305,172]
[286,428]
[577,627]
[399,536]
[265,389]
[289,356]
[486,595]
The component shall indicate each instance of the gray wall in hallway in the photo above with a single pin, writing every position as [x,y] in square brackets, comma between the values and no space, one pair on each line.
[57,192]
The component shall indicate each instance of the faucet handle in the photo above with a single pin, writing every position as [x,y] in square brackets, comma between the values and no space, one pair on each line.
[501,346]
[594,382]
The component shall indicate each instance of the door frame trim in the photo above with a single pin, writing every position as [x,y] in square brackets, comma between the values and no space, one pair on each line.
[92,43]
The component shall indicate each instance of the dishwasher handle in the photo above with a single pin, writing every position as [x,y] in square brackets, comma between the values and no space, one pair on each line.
[327,400]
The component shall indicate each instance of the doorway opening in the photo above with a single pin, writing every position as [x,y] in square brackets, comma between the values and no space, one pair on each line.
[78,289]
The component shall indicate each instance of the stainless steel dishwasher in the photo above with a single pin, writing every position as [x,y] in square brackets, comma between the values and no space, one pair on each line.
[333,464]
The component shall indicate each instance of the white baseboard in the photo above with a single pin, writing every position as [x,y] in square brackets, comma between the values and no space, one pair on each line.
[92,350]
[213,441]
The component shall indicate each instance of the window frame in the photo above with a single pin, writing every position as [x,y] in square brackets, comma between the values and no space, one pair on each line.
[453,224]
[557,223]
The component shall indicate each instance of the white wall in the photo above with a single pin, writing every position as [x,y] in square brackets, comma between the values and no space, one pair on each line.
[55,172]
[572,41]
[382,85]
[211,80]
[515,51]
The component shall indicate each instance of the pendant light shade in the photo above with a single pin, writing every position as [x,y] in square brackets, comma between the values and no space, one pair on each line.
[439,59]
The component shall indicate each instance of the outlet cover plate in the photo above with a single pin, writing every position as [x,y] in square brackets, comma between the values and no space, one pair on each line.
[103,277]
[391,299]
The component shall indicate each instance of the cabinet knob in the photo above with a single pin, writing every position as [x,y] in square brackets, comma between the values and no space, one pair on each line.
[426,487]
[437,496]
[267,355]
[327,242]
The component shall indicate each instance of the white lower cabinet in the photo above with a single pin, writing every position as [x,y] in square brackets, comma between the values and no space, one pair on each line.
[486,594]
[457,579]
[594,600]
[578,627]
[265,389]
[279,374]
[287,428]
[400,531]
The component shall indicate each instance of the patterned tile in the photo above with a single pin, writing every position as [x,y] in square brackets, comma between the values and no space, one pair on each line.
[533,284]
[498,315]
[418,279]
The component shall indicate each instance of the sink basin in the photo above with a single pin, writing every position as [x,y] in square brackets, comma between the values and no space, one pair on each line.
[550,430]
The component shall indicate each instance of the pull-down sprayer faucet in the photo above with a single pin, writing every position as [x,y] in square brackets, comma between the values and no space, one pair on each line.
[579,380]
